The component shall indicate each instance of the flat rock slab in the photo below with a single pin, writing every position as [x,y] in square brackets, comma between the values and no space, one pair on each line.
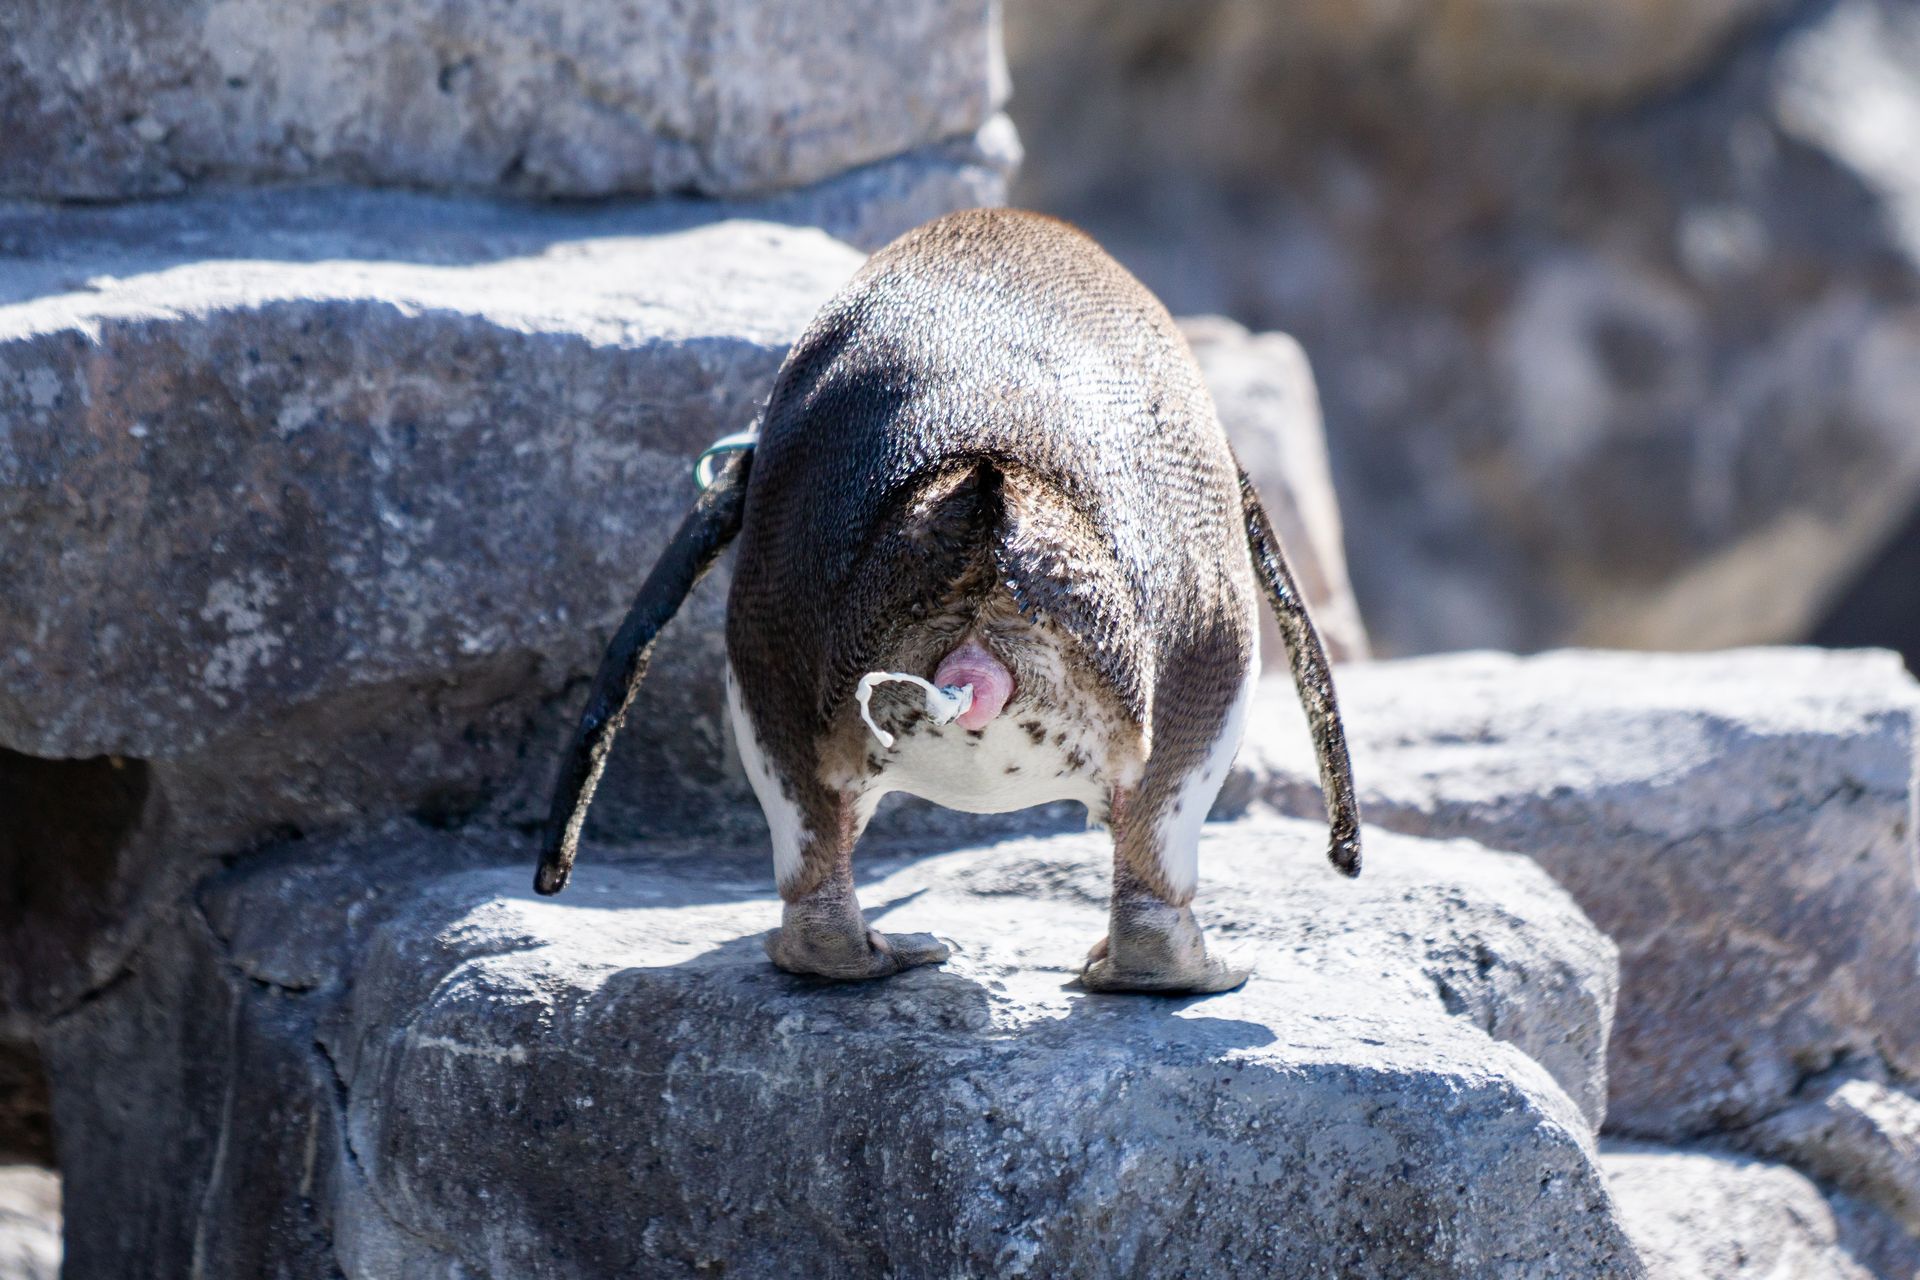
[1713,1215]
[464,1079]
[1742,824]
[1856,1134]
[307,525]
[547,97]
[248,461]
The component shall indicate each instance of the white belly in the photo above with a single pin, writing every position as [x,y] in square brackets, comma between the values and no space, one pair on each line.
[1022,758]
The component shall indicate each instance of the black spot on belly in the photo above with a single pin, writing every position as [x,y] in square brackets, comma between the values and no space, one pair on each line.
[976,734]
[1035,730]
[1013,768]
[1076,760]
[1058,738]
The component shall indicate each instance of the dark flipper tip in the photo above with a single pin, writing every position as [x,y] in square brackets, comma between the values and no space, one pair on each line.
[552,877]
[1344,854]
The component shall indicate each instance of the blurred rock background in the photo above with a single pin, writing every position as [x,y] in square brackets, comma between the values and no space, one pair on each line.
[1613,306]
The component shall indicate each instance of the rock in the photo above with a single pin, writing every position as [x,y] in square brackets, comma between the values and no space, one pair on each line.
[1704,1215]
[314,519]
[467,1079]
[29,1223]
[1263,387]
[1615,309]
[1879,608]
[1858,1134]
[1740,823]
[540,97]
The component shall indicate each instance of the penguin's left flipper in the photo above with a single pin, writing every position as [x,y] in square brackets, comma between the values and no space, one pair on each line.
[702,536]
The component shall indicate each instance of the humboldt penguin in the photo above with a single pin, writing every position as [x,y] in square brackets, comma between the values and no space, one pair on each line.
[994,550]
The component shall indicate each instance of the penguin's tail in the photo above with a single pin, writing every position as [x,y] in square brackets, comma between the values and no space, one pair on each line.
[1312,677]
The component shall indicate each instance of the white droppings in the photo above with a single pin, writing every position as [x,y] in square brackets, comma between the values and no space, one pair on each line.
[944,704]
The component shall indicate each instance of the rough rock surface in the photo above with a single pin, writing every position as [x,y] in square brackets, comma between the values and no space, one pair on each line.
[1858,1134]
[466,1079]
[29,1223]
[1263,387]
[1706,1215]
[307,525]
[1742,824]
[547,97]
[1615,308]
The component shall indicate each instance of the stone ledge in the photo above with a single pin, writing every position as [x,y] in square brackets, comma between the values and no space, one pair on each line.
[1704,1214]
[574,99]
[309,527]
[1741,823]
[463,1078]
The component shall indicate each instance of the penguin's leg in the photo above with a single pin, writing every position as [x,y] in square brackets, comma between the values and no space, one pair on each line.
[1312,678]
[822,931]
[702,536]
[1153,943]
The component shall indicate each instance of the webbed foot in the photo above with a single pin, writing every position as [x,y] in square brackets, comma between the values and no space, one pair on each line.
[1158,948]
[801,946]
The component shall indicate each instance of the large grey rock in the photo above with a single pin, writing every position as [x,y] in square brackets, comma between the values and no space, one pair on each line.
[1742,824]
[1707,1215]
[463,1079]
[1615,308]
[713,97]
[312,520]
[1263,386]
[29,1223]
[1858,1134]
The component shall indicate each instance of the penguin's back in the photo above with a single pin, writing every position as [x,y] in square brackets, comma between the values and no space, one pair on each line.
[1007,345]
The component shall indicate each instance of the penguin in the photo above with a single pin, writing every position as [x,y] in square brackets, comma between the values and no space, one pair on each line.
[994,550]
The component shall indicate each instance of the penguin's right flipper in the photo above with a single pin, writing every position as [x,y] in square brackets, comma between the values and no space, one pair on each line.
[702,536]
[1311,677]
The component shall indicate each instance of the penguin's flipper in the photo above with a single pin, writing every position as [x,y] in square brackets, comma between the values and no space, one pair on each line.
[1311,677]
[702,536]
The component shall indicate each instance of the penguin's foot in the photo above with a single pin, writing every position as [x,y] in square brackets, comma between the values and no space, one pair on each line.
[815,947]
[1156,947]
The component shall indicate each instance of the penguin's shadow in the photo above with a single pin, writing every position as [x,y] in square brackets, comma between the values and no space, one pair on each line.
[930,998]
[938,1001]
